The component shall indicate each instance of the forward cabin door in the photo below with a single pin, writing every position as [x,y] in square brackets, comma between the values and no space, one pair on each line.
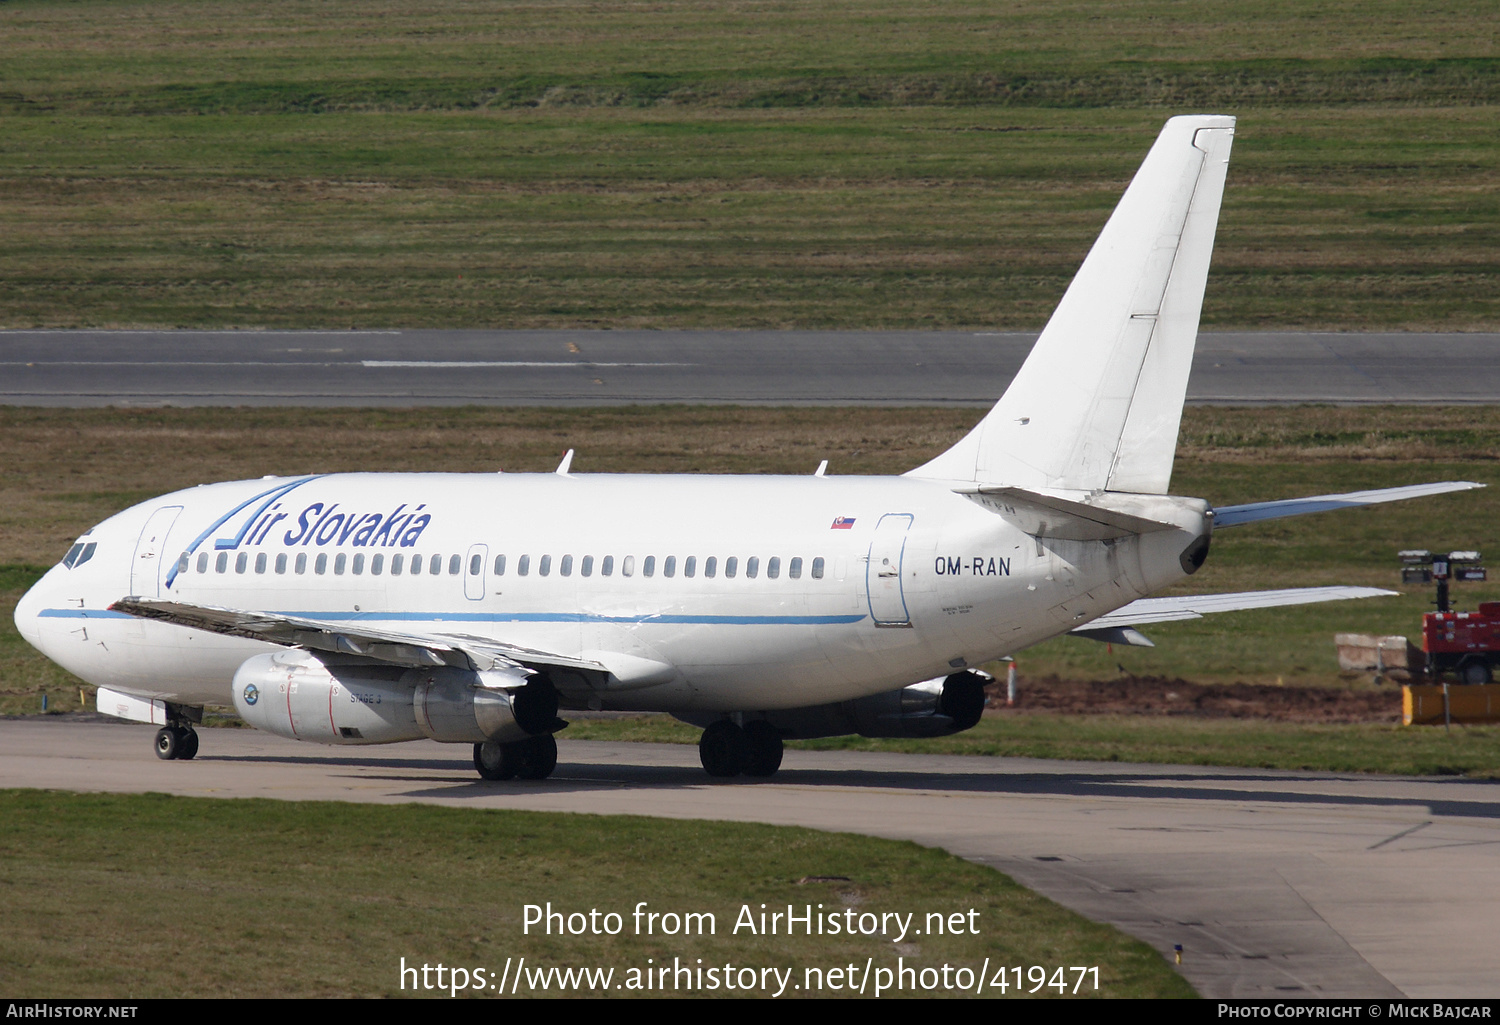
[145,568]
[883,571]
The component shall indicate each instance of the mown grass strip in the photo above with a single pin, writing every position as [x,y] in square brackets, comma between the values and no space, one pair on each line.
[120,896]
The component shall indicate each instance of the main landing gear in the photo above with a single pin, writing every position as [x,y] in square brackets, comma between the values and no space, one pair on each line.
[176,741]
[728,749]
[532,758]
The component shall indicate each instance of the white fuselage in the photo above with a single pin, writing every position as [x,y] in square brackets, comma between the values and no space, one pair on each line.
[737,593]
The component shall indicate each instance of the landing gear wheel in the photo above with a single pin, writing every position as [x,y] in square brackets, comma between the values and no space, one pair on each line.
[168,743]
[763,749]
[723,749]
[537,756]
[1475,673]
[189,745]
[495,761]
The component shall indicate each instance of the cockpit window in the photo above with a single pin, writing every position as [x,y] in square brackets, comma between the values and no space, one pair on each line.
[72,555]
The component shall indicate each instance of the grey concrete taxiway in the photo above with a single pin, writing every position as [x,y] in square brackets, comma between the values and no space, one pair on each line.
[415,368]
[1275,883]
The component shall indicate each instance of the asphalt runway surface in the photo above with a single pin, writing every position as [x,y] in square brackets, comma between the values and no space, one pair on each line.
[1276,884]
[583,368]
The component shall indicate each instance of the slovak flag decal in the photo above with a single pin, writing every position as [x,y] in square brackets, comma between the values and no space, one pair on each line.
[842,523]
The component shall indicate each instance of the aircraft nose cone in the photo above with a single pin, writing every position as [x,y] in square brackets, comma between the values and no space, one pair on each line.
[29,608]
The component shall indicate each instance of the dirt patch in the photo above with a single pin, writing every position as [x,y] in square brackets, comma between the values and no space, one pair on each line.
[1147,695]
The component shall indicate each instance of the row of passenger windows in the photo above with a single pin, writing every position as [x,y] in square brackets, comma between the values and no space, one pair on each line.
[434,565]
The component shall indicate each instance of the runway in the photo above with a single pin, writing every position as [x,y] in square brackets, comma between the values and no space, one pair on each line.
[584,368]
[1275,883]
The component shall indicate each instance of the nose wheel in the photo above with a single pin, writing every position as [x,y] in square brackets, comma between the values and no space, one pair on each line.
[174,742]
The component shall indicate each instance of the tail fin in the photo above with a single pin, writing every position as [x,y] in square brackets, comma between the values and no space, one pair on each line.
[1098,402]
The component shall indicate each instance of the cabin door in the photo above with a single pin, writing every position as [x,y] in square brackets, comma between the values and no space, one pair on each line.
[883,571]
[145,568]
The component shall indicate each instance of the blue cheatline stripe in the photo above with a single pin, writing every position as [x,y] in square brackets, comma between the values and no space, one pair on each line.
[82,614]
[507,617]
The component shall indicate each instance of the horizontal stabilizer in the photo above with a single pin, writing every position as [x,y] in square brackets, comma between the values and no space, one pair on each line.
[1127,635]
[1234,515]
[1042,515]
[1196,606]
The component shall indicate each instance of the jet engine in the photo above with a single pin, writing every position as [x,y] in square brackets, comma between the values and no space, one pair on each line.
[307,696]
[933,708]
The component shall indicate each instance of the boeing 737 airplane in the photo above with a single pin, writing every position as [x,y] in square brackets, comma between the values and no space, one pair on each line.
[370,608]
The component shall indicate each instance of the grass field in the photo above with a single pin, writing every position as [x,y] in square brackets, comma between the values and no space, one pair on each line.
[726,164]
[112,896]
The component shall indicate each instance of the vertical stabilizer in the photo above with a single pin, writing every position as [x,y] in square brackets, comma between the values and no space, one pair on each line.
[1098,402]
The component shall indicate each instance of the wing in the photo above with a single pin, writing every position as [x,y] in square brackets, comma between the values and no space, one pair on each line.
[353,637]
[1234,515]
[1118,626]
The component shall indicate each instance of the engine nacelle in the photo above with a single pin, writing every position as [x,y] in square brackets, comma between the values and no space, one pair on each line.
[306,696]
[933,708]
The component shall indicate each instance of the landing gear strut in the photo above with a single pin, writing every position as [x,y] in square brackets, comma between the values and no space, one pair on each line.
[728,749]
[175,741]
[532,758]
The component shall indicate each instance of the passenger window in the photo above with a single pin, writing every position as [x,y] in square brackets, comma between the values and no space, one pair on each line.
[588,565]
[281,563]
[773,567]
[475,562]
[301,563]
[731,566]
[567,565]
[260,562]
[669,566]
[648,567]
[608,566]
[241,562]
[72,555]
[690,565]
[435,565]
[221,564]
[523,567]
[377,563]
[817,570]
[499,565]
[794,570]
[627,566]
[396,561]
[752,566]
[202,562]
[455,563]
[320,566]
[710,565]
[546,565]
[359,564]
[182,563]
[339,561]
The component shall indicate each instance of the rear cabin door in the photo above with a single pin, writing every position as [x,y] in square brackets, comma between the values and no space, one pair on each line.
[883,571]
